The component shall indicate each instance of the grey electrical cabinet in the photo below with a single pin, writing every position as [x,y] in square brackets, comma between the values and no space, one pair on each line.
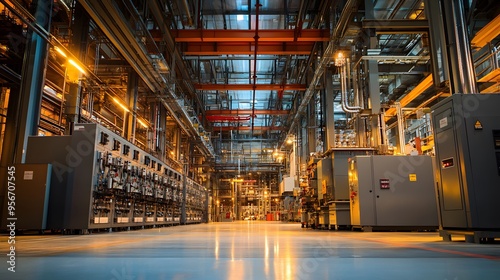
[101,181]
[392,192]
[467,143]
[31,196]
[325,179]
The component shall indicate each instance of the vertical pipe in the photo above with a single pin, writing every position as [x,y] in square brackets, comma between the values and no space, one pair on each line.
[401,132]
[461,62]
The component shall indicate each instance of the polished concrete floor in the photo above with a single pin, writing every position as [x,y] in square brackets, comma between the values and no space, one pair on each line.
[249,250]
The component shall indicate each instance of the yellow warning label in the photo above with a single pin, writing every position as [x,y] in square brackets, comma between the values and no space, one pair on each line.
[478,125]
[413,177]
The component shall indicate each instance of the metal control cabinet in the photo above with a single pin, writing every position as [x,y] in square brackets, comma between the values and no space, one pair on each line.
[340,216]
[31,196]
[333,186]
[325,179]
[100,180]
[467,143]
[392,192]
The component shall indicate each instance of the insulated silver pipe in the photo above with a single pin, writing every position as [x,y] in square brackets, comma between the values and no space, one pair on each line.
[344,89]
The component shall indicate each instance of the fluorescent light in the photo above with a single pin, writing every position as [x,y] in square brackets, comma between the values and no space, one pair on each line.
[61,52]
[121,105]
[72,62]
[142,123]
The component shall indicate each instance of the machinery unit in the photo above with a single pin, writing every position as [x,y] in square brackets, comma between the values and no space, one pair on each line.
[99,180]
[333,186]
[392,192]
[339,210]
[467,143]
[325,186]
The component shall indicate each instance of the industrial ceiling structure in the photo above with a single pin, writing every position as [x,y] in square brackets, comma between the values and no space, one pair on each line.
[240,78]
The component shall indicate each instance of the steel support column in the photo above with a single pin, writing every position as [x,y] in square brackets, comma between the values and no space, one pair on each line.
[23,113]
[312,122]
[162,129]
[374,101]
[184,192]
[79,42]
[33,80]
[206,207]
[329,141]
[463,79]
[131,99]
[437,37]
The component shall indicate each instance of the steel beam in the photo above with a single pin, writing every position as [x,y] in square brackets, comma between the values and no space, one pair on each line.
[246,112]
[419,89]
[395,26]
[248,128]
[242,48]
[489,32]
[268,35]
[249,87]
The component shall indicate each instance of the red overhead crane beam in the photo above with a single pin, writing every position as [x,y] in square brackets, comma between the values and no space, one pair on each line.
[266,35]
[246,112]
[247,48]
[247,128]
[249,87]
[227,118]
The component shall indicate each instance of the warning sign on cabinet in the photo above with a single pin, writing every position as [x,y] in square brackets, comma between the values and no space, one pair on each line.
[384,184]
[413,177]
